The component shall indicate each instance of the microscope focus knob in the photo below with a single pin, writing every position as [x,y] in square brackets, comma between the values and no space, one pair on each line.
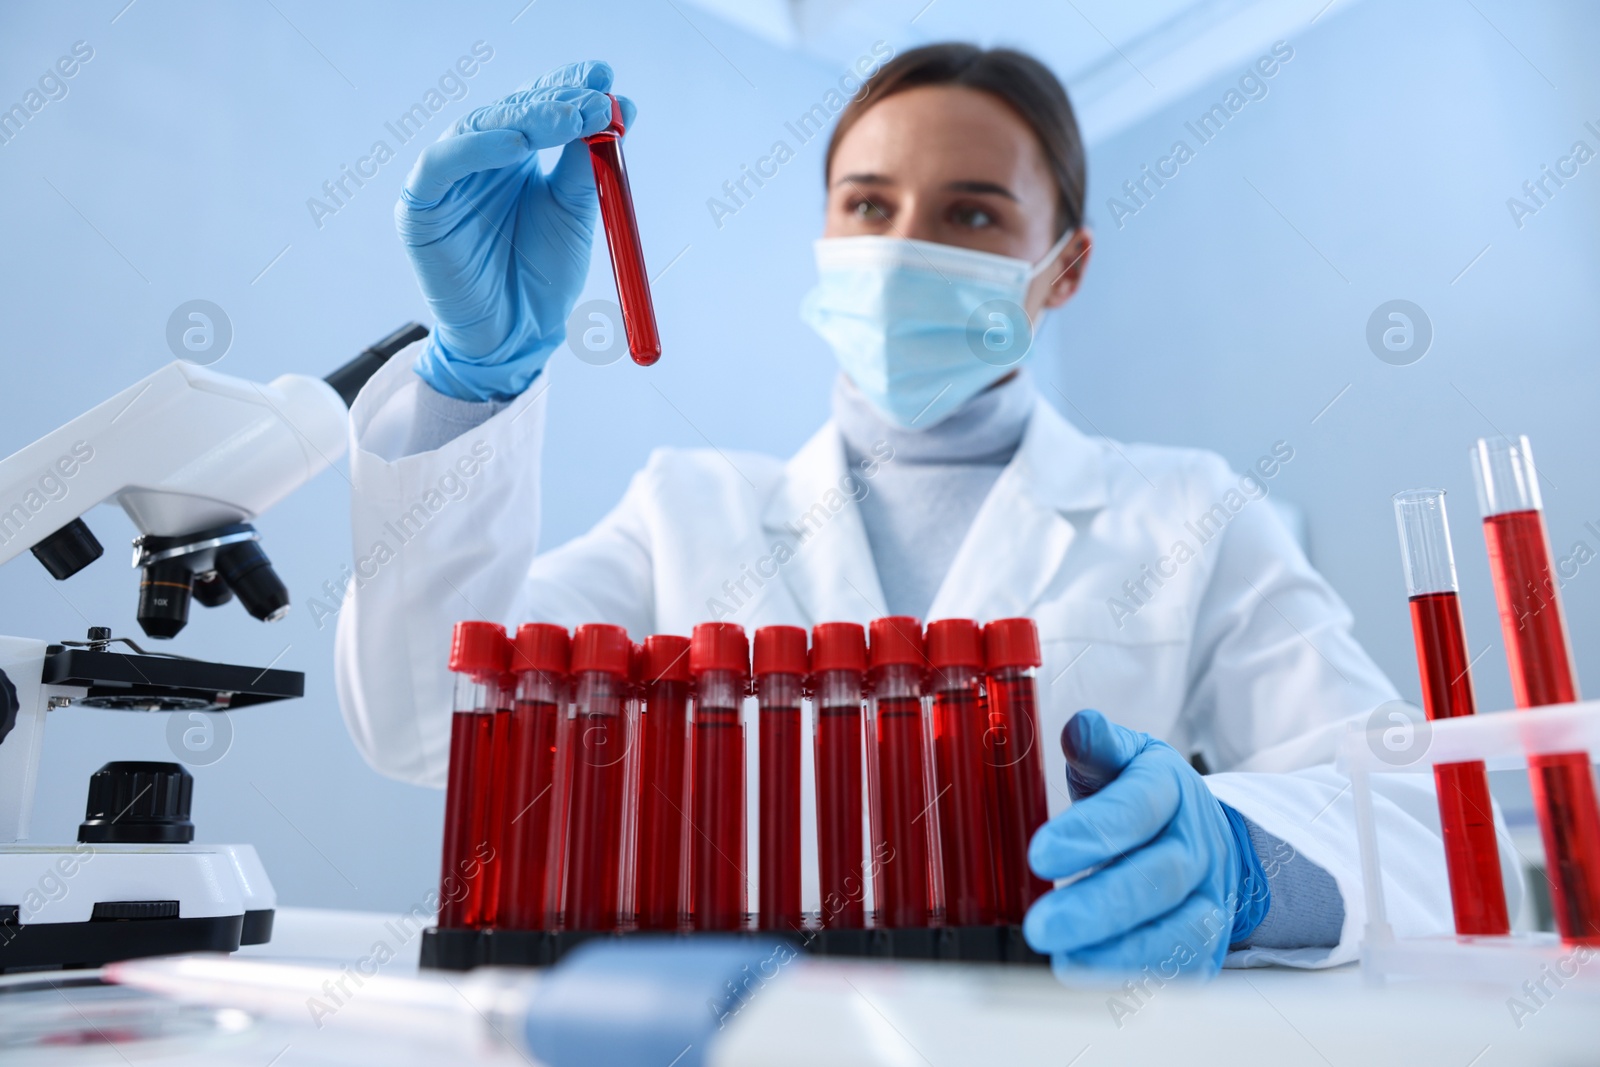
[138,802]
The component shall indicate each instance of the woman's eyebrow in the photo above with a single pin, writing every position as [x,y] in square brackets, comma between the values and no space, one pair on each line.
[864,179]
[981,187]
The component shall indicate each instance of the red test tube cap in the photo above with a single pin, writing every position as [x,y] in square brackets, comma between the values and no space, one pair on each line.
[955,643]
[896,639]
[1011,643]
[666,659]
[780,650]
[598,646]
[719,646]
[479,648]
[838,646]
[541,646]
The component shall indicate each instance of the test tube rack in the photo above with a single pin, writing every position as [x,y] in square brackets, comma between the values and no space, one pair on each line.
[462,950]
[484,941]
[1502,740]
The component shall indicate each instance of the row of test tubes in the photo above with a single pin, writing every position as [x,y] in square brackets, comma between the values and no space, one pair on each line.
[1540,662]
[600,785]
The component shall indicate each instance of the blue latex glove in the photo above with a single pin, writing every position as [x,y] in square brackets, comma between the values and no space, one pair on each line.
[1174,879]
[500,248]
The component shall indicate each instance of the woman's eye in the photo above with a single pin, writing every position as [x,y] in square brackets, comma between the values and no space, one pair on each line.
[866,209]
[975,217]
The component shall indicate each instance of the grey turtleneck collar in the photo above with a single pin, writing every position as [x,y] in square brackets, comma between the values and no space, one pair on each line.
[985,430]
[921,503]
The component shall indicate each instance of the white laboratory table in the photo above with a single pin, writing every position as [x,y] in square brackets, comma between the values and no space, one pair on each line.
[937,1014]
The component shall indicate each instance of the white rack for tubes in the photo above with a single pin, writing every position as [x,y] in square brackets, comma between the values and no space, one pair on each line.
[1502,740]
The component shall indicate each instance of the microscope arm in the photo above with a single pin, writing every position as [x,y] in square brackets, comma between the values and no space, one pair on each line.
[183,450]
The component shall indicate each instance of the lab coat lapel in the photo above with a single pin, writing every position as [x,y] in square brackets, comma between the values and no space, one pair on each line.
[830,570]
[1024,527]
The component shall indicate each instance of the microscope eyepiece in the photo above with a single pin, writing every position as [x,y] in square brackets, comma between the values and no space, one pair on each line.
[249,574]
[164,588]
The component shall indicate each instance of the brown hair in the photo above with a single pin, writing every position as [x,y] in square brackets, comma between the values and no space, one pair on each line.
[1019,80]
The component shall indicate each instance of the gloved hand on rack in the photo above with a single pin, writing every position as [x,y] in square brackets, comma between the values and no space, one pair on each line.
[1174,879]
[501,248]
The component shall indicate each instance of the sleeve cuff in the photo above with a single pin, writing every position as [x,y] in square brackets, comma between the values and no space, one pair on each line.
[1307,909]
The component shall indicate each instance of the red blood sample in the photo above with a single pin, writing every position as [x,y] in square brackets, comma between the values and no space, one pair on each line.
[622,238]
[780,670]
[961,778]
[663,781]
[719,660]
[1563,784]
[1016,763]
[905,817]
[838,667]
[596,741]
[479,653]
[1466,818]
[539,659]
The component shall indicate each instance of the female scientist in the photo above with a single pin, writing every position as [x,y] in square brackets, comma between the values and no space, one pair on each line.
[1167,592]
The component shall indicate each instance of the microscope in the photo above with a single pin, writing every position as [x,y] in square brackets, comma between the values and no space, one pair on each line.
[193,457]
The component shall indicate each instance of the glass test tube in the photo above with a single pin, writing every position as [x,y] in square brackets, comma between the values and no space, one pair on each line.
[1466,818]
[663,781]
[838,670]
[479,653]
[780,673]
[539,661]
[1540,660]
[961,779]
[595,757]
[622,238]
[1015,760]
[719,660]
[907,881]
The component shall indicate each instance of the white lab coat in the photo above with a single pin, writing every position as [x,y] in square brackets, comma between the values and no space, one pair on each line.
[1244,653]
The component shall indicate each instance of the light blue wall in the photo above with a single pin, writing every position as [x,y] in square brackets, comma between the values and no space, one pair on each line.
[1387,148]
[180,162]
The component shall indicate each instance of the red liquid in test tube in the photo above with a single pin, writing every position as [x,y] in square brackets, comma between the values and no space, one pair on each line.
[596,746]
[539,662]
[1466,818]
[838,669]
[1015,761]
[1539,657]
[479,654]
[905,818]
[719,659]
[961,778]
[622,238]
[663,781]
[780,672]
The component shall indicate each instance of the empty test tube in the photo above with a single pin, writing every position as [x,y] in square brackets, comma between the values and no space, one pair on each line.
[838,672]
[1563,784]
[905,818]
[780,674]
[479,656]
[1015,760]
[663,781]
[622,238]
[593,754]
[1472,856]
[961,773]
[719,660]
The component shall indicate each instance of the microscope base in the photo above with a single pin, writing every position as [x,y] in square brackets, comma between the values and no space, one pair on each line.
[83,905]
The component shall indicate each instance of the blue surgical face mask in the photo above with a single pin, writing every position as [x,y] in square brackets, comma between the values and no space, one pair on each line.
[920,327]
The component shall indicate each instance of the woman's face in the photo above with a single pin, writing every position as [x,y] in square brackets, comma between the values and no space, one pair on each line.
[957,166]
